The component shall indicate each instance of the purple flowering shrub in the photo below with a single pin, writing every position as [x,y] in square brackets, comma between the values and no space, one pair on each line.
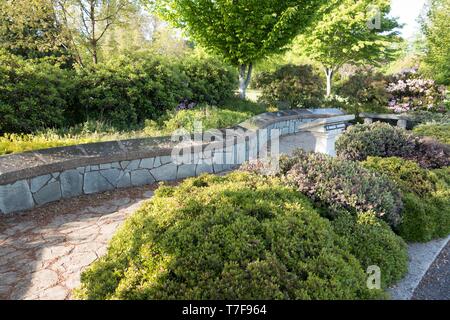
[344,185]
[410,93]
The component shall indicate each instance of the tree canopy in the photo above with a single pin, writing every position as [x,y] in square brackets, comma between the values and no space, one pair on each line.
[436,28]
[350,32]
[241,31]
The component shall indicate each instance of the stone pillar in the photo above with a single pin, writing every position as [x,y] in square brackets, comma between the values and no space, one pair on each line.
[325,138]
[402,123]
[368,120]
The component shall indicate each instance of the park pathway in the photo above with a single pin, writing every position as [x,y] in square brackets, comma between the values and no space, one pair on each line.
[44,251]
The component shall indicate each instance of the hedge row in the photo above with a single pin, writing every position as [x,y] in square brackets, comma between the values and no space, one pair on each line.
[123,92]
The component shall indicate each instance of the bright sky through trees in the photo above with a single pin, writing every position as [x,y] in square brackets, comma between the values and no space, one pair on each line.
[408,11]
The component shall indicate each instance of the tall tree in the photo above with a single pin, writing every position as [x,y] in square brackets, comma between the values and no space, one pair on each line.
[436,28]
[88,21]
[241,31]
[30,28]
[351,32]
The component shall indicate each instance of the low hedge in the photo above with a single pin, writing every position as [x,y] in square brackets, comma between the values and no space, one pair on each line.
[373,243]
[235,237]
[339,185]
[426,197]
[383,140]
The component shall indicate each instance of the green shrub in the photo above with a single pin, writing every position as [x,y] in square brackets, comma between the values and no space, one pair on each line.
[373,243]
[408,175]
[33,95]
[210,80]
[378,139]
[343,185]
[127,90]
[440,132]
[291,86]
[366,92]
[426,197]
[383,140]
[234,237]
[423,117]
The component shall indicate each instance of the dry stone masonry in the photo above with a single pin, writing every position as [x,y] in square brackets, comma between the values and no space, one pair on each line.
[35,178]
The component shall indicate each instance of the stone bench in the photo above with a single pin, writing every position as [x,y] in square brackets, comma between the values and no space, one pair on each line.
[35,178]
[402,121]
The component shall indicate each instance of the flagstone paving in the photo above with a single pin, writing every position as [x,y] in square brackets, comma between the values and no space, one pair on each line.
[44,251]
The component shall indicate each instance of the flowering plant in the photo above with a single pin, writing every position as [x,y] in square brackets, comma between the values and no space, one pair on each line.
[410,94]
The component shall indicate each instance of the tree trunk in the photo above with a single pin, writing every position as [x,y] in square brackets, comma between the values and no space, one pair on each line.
[329,74]
[245,75]
[93,40]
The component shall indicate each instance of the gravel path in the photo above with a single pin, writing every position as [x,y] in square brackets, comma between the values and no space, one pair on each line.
[436,283]
[43,251]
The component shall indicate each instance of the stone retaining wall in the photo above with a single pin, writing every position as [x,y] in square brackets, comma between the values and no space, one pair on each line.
[35,178]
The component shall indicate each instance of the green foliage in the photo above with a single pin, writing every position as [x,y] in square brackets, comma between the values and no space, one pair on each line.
[235,237]
[343,35]
[383,140]
[30,29]
[426,218]
[291,86]
[343,185]
[33,95]
[426,197]
[87,132]
[123,92]
[231,113]
[378,139]
[373,242]
[440,132]
[241,32]
[408,175]
[210,118]
[127,90]
[209,80]
[366,92]
[437,41]
[423,117]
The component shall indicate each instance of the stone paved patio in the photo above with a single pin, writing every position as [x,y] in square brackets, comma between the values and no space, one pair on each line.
[43,252]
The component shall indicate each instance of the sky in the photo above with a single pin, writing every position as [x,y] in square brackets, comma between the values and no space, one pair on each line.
[408,11]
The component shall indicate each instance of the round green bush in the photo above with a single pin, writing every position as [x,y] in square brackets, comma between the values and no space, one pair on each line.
[383,140]
[426,197]
[373,243]
[408,175]
[235,237]
[291,86]
[377,139]
[210,80]
[366,92]
[343,185]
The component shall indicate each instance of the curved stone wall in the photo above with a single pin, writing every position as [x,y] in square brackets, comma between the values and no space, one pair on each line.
[35,178]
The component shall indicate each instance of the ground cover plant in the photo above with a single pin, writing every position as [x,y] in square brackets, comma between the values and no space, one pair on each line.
[240,236]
